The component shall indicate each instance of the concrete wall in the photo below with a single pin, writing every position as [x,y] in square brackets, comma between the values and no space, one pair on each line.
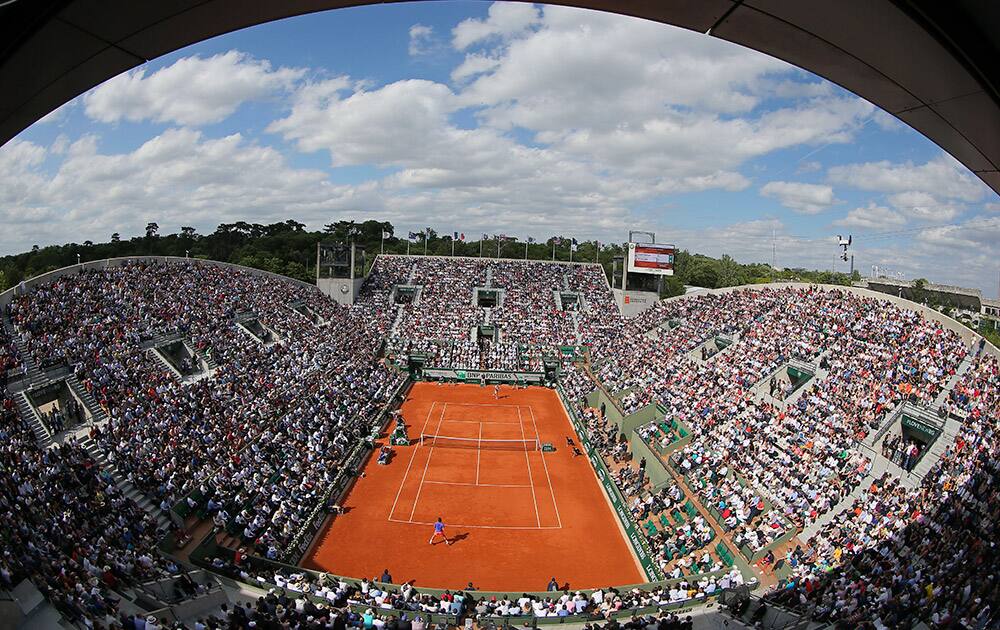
[638,301]
[105,263]
[655,470]
[643,416]
[612,412]
[340,290]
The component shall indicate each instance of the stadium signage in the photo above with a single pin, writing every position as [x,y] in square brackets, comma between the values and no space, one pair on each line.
[476,376]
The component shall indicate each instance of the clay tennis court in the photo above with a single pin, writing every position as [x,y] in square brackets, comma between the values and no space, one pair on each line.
[517,516]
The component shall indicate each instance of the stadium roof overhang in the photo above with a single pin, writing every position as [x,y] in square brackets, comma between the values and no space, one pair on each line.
[932,64]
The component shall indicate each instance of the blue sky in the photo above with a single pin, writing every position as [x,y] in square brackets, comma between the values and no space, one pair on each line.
[513,118]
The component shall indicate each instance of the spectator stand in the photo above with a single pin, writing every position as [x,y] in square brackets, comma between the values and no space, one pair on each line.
[695,487]
[267,576]
[346,476]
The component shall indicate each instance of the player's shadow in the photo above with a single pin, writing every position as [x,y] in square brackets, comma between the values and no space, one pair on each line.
[459,537]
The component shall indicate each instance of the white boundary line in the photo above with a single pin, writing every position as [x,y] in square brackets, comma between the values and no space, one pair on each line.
[452,525]
[465,404]
[479,452]
[527,461]
[478,485]
[427,463]
[478,421]
[412,455]
[546,466]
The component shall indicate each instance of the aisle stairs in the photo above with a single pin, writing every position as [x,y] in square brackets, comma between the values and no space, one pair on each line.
[123,484]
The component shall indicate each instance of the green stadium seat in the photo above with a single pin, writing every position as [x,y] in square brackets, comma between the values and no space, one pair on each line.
[690,509]
[650,528]
[678,518]
[665,523]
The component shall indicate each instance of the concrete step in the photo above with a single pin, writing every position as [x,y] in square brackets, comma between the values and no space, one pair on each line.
[129,490]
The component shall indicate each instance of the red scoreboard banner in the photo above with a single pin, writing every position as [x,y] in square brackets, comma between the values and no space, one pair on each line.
[655,258]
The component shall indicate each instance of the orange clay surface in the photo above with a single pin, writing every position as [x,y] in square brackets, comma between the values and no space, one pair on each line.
[516,517]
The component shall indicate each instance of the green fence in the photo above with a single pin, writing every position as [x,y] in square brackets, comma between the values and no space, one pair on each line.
[632,530]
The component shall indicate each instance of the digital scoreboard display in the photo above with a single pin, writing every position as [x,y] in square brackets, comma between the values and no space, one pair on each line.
[657,258]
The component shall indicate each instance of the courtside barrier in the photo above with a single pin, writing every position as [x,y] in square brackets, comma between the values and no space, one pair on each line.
[635,536]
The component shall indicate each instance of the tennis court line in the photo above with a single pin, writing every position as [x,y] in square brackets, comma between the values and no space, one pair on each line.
[479,452]
[478,485]
[412,455]
[467,404]
[541,454]
[477,421]
[426,463]
[452,525]
[527,461]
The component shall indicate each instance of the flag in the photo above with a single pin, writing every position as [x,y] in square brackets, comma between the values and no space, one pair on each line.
[461,237]
[412,236]
[486,237]
[455,238]
[531,239]
[572,245]
[386,234]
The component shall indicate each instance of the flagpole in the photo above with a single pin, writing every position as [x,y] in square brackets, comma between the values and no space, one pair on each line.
[452,247]
[553,249]
[381,248]
[498,249]
[526,250]
[425,244]
[407,247]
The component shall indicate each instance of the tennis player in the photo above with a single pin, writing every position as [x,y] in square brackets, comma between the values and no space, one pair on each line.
[439,531]
[496,392]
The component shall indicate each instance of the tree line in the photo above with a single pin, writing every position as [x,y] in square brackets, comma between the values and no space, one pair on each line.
[289,249]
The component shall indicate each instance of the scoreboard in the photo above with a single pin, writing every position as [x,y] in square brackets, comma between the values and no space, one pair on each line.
[655,258]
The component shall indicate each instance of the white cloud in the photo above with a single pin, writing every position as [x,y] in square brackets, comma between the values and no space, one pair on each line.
[505,20]
[178,177]
[799,196]
[421,40]
[942,178]
[872,217]
[191,91]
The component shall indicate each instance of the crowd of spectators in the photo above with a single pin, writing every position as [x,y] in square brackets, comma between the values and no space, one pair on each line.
[443,320]
[898,555]
[329,595]
[256,447]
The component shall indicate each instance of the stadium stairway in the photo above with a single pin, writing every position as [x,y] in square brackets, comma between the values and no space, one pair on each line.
[489,275]
[960,371]
[129,490]
[33,373]
[29,415]
[97,413]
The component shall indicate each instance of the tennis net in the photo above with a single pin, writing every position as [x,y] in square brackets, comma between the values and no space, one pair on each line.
[448,441]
